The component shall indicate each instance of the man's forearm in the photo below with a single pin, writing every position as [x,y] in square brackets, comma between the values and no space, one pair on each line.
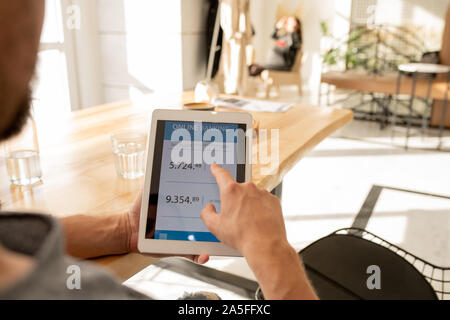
[94,236]
[280,272]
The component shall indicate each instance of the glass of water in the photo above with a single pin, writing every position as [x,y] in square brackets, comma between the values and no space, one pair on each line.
[22,156]
[129,147]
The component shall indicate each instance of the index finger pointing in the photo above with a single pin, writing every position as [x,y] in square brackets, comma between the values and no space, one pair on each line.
[222,176]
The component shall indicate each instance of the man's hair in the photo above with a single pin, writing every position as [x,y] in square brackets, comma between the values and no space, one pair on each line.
[19,119]
[20,28]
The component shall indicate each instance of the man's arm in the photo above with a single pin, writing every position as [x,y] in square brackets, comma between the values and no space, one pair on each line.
[94,236]
[251,222]
[280,272]
[90,236]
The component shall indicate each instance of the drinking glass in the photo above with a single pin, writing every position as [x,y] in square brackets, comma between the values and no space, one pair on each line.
[22,155]
[129,147]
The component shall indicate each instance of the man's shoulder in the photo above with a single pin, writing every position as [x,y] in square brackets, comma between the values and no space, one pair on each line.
[55,275]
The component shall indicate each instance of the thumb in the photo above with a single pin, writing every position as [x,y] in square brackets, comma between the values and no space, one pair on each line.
[210,217]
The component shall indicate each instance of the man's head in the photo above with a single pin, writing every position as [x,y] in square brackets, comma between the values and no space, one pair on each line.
[20,29]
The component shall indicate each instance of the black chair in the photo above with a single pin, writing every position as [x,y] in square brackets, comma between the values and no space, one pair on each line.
[337,267]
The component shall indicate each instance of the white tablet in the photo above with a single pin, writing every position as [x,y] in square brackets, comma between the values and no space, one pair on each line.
[178,181]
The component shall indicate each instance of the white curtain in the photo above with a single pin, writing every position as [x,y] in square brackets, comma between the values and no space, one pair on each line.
[235,22]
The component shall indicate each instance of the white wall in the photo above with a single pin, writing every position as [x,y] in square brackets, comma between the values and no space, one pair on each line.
[427,15]
[193,35]
[87,56]
[151,46]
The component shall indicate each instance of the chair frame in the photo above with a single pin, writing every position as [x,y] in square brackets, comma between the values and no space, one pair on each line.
[275,78]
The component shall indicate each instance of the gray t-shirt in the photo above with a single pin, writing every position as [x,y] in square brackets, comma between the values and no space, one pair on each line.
[52,277]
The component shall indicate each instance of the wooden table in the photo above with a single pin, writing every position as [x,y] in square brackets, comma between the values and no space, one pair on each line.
[79,174]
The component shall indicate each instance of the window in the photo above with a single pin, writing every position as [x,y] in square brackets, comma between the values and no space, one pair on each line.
[55,84]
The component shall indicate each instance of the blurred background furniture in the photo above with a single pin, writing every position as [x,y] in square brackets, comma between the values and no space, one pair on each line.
[422,77]
[444,58]
[352,251]
[371,55]
[340,267]
[274,78]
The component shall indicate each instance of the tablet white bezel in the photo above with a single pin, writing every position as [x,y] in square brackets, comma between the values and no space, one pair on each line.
[177,247]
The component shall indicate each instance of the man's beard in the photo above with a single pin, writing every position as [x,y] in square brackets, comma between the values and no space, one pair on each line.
[20,118]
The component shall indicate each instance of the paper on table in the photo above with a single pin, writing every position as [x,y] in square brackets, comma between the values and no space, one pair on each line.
[252,105]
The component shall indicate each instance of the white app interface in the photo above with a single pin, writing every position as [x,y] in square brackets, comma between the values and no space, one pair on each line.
[186,184]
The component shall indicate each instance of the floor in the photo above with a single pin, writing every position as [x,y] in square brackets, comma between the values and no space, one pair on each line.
[325,191]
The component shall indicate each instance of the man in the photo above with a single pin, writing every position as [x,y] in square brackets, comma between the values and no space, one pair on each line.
[33,263]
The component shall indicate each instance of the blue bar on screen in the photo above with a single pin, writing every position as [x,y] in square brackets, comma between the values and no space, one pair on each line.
[185,236]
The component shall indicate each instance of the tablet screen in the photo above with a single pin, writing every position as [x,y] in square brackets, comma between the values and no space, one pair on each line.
[181,181]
